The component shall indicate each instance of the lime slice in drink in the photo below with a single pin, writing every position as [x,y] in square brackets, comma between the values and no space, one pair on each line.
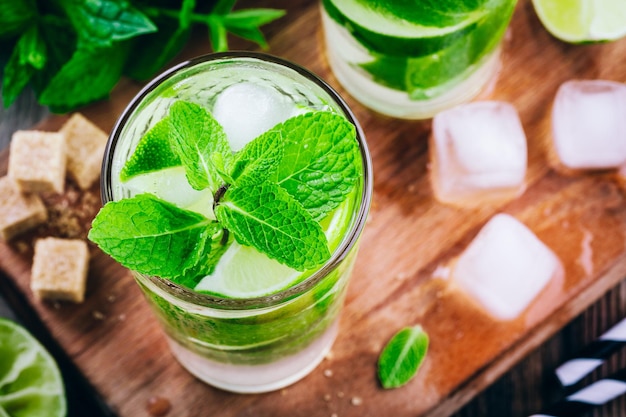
[153,152]
[171,185]
[243,272]
[577,21]
[30,381]
[377,26]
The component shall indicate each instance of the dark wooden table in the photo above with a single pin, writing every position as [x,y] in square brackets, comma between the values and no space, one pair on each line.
[528,386]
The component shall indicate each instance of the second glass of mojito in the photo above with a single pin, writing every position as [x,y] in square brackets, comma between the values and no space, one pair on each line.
[412,59]
[236,188]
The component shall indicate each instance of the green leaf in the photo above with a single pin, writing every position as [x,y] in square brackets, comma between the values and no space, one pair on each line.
[321,160]
[32,48]
[152,236]
[217,33]
[153,51]
[196,135]
[223,6]
[245,23]
[88,76]
[153,152]
[16,16]
[402,357]
[267,218]
[258,160]
[99,23]
[206,265]
[27,57]
[15,78]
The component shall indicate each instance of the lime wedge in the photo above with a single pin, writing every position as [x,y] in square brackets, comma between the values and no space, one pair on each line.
[153,152]
[30,381]
[243,272]
[577,21]
[379,28]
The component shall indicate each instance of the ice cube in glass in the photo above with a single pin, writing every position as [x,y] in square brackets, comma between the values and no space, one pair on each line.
[589,125]
[505,267]
[245,110]
[478,153]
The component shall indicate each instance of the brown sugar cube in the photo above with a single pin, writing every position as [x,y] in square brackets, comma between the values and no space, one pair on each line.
[37,161]
[60,269]
[18,212]
[85,149]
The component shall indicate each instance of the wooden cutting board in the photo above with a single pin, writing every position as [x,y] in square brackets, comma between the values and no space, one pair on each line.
[119,346]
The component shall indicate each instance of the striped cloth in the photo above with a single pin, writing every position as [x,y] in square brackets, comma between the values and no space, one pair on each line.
[588,398]
[593,355]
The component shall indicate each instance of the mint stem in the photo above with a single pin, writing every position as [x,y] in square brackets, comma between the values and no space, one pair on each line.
[219,194]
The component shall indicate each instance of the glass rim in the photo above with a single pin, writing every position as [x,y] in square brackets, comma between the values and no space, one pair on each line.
[339,254]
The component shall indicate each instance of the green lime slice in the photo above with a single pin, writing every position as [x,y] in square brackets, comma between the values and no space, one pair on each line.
[30,381]
[243,272]
[382,31]
[153,152]
[577,21]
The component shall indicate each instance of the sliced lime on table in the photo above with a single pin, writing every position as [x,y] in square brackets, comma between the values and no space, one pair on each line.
[30,381]
[577,21]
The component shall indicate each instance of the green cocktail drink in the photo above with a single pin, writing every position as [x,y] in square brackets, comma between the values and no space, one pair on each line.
[412,59]
[226,246]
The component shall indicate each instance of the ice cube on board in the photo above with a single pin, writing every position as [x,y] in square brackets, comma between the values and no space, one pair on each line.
[589,124]
[505,267]
[245,110]
[478,152]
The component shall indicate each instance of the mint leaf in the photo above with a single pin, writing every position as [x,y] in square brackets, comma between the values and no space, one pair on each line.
[245,23]
[28,56]
[153,152]
[152,236]
[207,262]
[89,75]
[320,164]
[258,159]
[266,217]
[99,23]
[16,16]
[217,33]
[196,135]
[16,76]
[156,49]
[402,357]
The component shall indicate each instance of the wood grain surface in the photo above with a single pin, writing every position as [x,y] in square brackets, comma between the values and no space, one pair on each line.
[118,345]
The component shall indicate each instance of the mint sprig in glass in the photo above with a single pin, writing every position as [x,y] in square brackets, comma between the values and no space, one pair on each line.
[240,218]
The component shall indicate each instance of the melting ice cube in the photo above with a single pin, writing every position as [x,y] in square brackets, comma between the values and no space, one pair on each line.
[246,110]
[505,267]
[478,151]
[589,124]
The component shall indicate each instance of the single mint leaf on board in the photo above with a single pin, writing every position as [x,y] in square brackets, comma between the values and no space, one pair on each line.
[402,357]
[320,164]
[152,236]
[196,135]
[153,152]
[258,159]
[99,23]
[267,218]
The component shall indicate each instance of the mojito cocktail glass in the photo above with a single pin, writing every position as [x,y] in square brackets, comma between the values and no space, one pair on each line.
[413,59]
[253,324]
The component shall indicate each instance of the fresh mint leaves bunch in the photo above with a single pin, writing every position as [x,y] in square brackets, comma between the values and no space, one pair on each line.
[270,195]
[73,52]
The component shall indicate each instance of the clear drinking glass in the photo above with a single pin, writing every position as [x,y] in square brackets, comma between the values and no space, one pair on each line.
[246,344]
[413,59]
